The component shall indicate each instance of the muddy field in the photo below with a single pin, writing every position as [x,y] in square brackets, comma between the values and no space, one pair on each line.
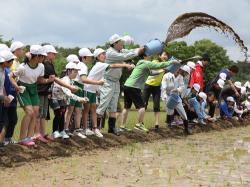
[167,158]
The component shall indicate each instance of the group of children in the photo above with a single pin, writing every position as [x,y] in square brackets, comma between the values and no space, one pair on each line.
[87,95]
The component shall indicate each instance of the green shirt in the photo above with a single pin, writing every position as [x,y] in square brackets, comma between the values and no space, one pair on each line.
[142,71]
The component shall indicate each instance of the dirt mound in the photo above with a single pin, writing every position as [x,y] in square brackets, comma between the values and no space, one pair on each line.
[16,155]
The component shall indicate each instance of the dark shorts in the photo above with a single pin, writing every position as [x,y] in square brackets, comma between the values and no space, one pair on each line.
[133,95]
[155,91]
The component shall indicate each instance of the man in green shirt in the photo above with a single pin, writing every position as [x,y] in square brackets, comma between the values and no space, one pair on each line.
[133,90]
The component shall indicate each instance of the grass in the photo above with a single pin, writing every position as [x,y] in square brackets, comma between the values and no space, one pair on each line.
[132,119]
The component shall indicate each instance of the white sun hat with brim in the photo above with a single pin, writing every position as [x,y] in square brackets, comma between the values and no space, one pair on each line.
[16,45]
[185,68]
[98,51]
[203,96]
[221,83]
[237,84]
[1,60]
[50,49]
[72,58]
[72,65]
[4,47]
[191,64]
[230,99]
[114,38]
[223,76]
[7,55]
[85,52]
[196,87]
[37,50]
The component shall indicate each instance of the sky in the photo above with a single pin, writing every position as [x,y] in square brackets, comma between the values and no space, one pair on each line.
[88,23]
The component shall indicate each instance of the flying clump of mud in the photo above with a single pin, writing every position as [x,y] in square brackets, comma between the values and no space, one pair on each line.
[185,23]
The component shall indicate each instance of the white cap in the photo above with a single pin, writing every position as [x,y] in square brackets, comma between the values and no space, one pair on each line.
[191,64]
[7,55]
[2,59]
[50,49]
[128,40]
[16,45]
[72,65]
[186,68]
[248,97]
[85,52]
[98,51]
[37,50]
[114,38]
[223,76]
[246,84]
[237,84]
[203,96]
[4,47]
[231,99]
[72,58]
[221,83]
[196,87]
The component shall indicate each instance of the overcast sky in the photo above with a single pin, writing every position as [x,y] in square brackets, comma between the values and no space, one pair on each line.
[87,23]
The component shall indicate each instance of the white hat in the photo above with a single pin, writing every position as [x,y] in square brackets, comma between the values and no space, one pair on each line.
[128,40]
[231,99]
[191,64]
[50,49]
[98,51]
[72,65]
[85,52]
[237,84]
[37,50]
[221,83]
[203,96]
[223,76]
[248,97]
[114,38]
[16,45]
[72,58]
[196,87]
[247,84]
[7,55]
[4,47]
[2,59]
[186,68]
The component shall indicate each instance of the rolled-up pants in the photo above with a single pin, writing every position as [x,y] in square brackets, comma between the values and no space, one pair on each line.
[179,108]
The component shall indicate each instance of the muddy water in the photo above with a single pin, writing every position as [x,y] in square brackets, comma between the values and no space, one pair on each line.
[205,159]
[185,23]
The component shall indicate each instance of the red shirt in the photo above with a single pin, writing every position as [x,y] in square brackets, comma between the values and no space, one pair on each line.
[197,76]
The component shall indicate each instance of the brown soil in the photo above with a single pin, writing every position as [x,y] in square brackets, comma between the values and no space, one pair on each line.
[16,155]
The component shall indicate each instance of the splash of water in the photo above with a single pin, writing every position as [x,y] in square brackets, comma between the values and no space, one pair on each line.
[185,23]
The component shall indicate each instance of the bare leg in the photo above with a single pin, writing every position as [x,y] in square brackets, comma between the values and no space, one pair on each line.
[33,121]
[85,115]
[124,117]
[26,121]
[68,114]
[78,112]
[141,113]
[94,115]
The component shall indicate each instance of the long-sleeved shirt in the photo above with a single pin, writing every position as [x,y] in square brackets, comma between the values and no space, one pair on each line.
[117,57]
[199,107]
[197,76]
[155,80]
[141,72]
[61,93]
[170,83]
[226,111]
[9,88]
[2,78]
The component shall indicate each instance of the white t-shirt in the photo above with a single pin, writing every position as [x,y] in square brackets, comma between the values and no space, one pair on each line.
[96,73]
[29,75]
[2,79]
[83,70]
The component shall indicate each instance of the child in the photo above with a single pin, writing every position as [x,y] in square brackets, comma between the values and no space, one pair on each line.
[6,58]
[172,87]
[197,108]
[227,108]
[59,101]
[29,74]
